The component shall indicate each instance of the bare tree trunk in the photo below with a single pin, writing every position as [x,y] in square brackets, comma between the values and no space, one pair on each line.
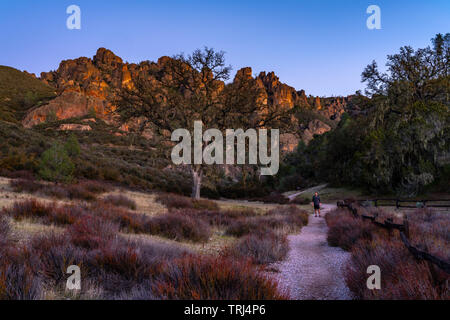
[197,175]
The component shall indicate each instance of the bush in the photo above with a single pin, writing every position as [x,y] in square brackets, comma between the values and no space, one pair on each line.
[56,165]
[72,146]
[301,201]
[4,232]
[217,218]
[345,230]
[78,191]
[178,227]
[56,191]
[18,282]
[203,204]
[260,248]
[403,278]
[283,219]
[23,185]
[47,213]
[29,209]
[56,254]
[174,201]
[92,232]
[95,187]
[208,278]
[275,197]
[121,201]
[292,215]
[242,227]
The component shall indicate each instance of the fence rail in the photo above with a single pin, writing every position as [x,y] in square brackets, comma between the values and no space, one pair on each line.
[398,203]
[404,235]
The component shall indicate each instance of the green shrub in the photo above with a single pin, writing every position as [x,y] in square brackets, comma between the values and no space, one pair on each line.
[56,165]
[72,146]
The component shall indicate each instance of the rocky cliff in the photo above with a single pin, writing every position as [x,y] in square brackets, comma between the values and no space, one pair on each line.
[88,86]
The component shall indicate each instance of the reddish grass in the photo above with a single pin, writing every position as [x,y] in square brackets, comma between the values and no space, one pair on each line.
[218,218]
[262,248]
[95,187]
[174,201]
[119,268]
[178,227]
[121,201]
[286,218]
[209,278]
[4,232]
[345,230]
[275,197]
[46,213]
[18,279]
[92,232]
[84,190]
[25,185]
[402,275]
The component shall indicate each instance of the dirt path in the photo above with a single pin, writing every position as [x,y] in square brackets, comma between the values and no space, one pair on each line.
[312,269]
[317,188]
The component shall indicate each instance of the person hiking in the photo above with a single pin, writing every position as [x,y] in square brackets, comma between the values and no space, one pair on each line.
[316,203]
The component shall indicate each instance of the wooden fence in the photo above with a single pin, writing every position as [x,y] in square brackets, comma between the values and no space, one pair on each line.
[404,235]
[412,204]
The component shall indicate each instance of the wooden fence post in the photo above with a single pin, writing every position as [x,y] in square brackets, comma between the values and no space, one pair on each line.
[406,226]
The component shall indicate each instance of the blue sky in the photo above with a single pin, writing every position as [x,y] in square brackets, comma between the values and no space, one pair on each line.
[320,46]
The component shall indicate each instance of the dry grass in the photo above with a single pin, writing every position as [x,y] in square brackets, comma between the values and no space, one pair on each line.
[22,231]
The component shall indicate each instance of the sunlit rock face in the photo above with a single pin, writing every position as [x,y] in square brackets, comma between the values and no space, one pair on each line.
[89,85]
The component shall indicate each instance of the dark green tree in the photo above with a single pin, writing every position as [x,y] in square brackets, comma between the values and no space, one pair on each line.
[72,146]
[56,165]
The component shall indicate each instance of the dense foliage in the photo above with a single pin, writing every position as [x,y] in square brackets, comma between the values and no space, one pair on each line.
[18,92]
[399,143]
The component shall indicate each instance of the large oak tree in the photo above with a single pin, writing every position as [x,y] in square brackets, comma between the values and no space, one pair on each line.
[184,89]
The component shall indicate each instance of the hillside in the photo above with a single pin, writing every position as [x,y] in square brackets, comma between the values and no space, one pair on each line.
[19,91]
[90,86]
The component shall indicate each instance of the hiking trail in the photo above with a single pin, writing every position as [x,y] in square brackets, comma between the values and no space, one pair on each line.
[312,269]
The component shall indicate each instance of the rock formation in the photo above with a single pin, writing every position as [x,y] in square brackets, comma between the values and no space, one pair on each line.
[86,86]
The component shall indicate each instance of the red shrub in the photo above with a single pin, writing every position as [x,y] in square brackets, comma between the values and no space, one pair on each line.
[121,201]
[216,217]
[78,191]
[18,280]
[4,232]
[174,201]
[402,277]
[178,227]
[47,213]
[24,185]
[92,232]
[30,209]
[205,278]
[260,248]
[344,229]
[275,197]
[95,187]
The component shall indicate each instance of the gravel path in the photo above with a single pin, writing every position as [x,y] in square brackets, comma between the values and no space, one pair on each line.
[313,270]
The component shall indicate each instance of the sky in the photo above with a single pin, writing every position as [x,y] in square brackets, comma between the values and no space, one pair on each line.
[321,46]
